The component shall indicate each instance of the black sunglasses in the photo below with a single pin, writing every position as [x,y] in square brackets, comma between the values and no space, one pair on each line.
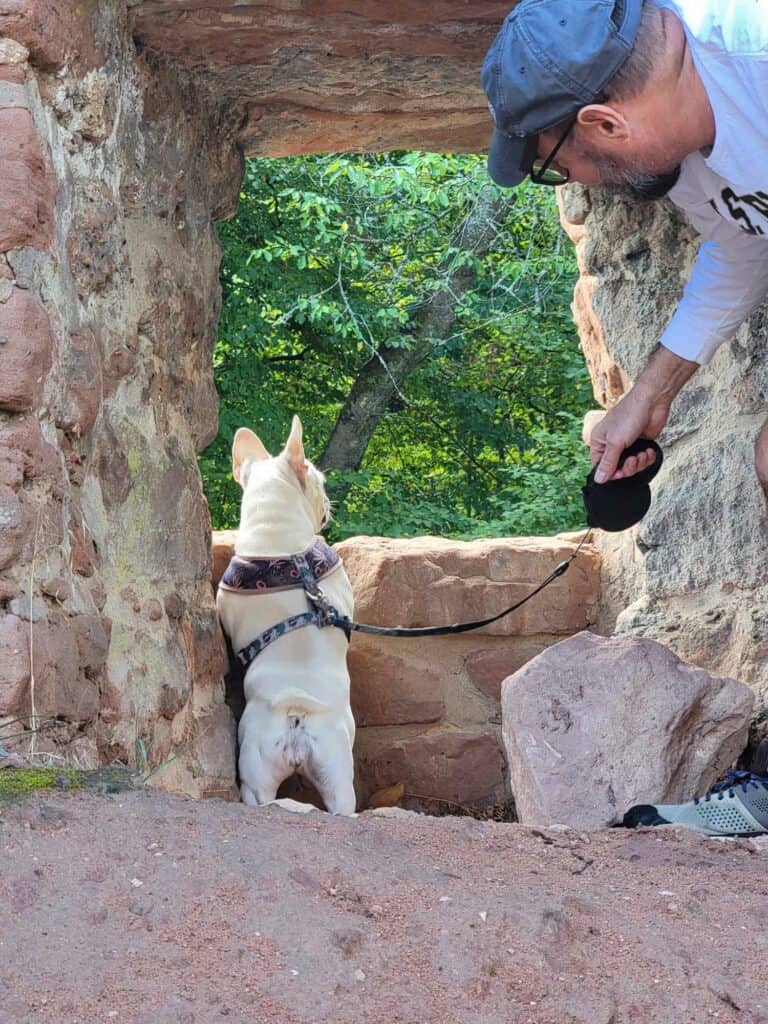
[540,171]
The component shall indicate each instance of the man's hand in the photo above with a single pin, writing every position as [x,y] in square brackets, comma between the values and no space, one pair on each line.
[617,429]
[642,412]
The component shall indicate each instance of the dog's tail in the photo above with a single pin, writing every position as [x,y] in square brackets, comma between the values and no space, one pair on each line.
[292,700]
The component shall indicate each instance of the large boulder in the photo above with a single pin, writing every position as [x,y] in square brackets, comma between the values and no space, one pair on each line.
[593,725]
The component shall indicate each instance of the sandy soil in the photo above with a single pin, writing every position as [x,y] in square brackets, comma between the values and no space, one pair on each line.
[141,908]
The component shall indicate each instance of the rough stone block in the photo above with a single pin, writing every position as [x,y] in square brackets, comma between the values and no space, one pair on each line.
[22,440]
[26,344]
[11,467]
[92,643]
[488,667]
[214,751]
[26,206]
[393,685]
[55,32]
[13,526]
[449,764]
[14,664]
[81,385]
[433,581]
[61,690]
[206,652]
[595,725]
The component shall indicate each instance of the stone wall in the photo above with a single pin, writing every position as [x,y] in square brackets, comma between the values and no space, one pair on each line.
[112,173]
[693,574]
[428,709]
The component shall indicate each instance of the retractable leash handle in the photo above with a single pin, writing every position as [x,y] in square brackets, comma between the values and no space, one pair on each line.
[618,504]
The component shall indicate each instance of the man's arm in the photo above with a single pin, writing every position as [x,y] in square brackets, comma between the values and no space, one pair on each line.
[728,282]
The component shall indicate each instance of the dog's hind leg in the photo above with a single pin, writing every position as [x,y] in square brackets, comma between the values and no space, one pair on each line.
[331,769]
[259,781]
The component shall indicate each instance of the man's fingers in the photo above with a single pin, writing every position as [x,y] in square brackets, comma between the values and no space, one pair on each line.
[608,462]
[633,465]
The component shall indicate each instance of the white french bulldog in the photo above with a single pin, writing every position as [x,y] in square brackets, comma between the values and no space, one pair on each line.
[297,716]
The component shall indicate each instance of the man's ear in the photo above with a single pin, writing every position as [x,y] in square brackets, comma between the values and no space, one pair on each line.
[246,446]
[601,123]
[294,451]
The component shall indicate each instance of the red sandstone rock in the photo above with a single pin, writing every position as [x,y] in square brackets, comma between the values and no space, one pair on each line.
[11,467]
[205,648]
[81,385]
[92,643]
[13,526]
[26,345]
[61,690]
[83,557]
[433,581]
[595,725]
[12,73]
[451,764]
[14,664]
[321,77]
[391,684]
[56,32]
[489,667]
[22,438]
[8,590]
[26,205]
[93,248]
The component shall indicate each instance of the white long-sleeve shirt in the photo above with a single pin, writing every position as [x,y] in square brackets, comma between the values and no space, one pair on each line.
[725,193]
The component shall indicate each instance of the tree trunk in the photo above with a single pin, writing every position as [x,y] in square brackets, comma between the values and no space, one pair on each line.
[381,377]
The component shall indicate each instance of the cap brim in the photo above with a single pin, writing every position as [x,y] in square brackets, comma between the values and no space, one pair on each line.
[505,156]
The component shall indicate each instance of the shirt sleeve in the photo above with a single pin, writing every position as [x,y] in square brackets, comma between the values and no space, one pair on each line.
[728,282]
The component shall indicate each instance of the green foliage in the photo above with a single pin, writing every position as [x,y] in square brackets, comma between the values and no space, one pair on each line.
[331,257]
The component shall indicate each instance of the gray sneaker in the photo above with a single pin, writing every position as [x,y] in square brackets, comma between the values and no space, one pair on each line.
[735,806]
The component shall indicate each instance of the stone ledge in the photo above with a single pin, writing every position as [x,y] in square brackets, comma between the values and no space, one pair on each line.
[433,581]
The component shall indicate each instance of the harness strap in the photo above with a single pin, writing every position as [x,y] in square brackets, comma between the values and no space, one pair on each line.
[322,614]
[247,654]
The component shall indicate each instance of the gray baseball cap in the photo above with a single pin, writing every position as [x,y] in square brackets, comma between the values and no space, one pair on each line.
[550,58]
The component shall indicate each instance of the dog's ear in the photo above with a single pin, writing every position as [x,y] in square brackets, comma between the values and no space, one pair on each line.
[246,445]
[294,450]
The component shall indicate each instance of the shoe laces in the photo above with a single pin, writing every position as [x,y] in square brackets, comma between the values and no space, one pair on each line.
[734,780]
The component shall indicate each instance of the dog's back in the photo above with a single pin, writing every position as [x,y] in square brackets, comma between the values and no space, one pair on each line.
[297,714]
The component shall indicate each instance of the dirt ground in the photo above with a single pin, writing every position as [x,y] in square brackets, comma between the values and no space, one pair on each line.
[142,908]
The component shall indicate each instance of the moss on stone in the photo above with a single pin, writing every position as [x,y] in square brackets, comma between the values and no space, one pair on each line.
[18,783]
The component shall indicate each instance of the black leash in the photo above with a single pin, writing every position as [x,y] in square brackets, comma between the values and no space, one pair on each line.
[324,614]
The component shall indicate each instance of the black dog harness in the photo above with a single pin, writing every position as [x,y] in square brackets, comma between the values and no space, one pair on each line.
[262,575]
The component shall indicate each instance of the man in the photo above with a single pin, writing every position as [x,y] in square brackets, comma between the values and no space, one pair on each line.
[656,98]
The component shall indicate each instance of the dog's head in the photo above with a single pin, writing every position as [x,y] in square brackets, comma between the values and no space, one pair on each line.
[253,467]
